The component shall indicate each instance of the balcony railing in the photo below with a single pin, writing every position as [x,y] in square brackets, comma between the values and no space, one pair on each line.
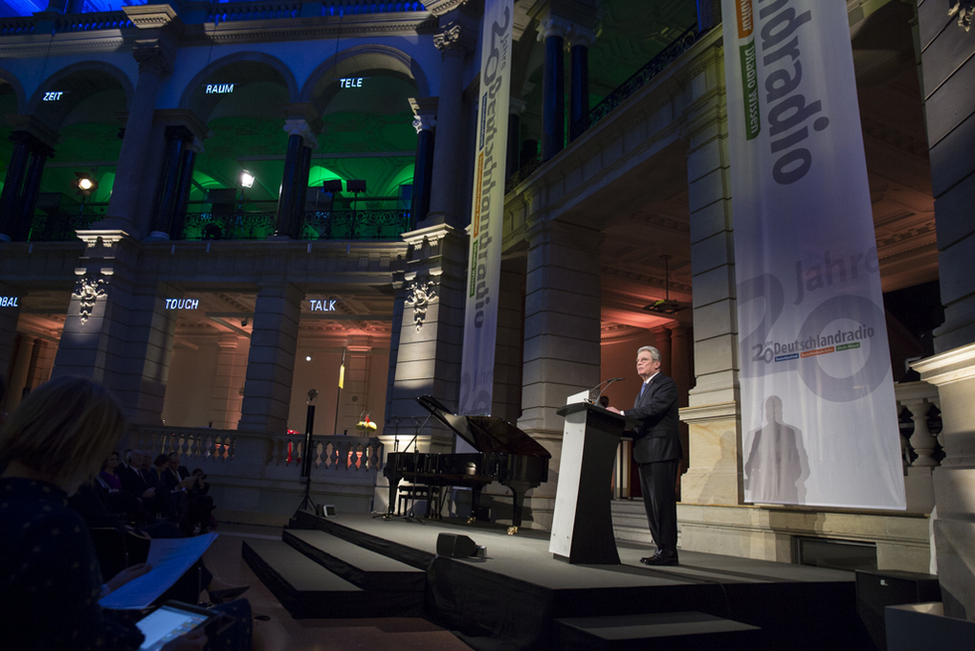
[638,80]
[316,225]
[60,227]
[383,225]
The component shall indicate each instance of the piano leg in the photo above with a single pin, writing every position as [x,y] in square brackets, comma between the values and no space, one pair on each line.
[391,509]
[475,504]
[517,502]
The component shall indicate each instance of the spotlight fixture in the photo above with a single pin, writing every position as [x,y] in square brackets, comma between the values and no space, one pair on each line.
[333,186]
[84,184]
[665,305]
[246,179]
[307,358]
[356,186]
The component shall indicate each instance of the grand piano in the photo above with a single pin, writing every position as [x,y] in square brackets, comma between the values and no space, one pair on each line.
[504,454]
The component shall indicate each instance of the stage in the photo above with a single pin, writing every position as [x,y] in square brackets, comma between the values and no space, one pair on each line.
[520,597]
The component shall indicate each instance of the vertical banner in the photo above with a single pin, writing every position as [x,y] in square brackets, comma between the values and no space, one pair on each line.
[819,421]
[487,209]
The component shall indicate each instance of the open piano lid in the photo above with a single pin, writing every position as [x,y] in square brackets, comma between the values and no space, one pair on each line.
[486,433]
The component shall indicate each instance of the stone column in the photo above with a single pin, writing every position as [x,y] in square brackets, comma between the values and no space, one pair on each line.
[288,199]
[13,183]
[184,185]
[167,192]
[9,316]
[552,32]
[155,62]
[510,341]
[225,399]
[32,185]
[562,338]
[144,370]
[661,341]
[39,367]
[301,125]
[33,145]
[95,333]
[681,368]
[427,339]
[712,415]
[580,40]
[431,330]
[356,401]
[424,111]
[271,361]
[22,351]
[945,40]
[454,43]
[513,153]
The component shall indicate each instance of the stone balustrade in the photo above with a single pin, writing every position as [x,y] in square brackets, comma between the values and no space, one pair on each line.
[921,448]
[203,447]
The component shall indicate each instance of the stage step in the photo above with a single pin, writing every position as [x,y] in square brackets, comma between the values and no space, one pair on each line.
[306,589]
[366,569]
[663,631]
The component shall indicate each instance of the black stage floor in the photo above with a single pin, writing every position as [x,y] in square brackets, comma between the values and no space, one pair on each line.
[513,597]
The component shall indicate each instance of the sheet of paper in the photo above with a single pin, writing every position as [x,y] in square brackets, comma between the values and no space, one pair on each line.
[169,558]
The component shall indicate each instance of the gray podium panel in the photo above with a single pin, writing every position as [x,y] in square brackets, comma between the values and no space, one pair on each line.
[582,525]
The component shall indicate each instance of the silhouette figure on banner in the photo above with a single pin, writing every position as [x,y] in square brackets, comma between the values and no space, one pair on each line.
[777,467]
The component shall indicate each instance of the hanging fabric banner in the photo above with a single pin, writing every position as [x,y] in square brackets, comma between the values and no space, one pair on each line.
[487,209]
[819,422]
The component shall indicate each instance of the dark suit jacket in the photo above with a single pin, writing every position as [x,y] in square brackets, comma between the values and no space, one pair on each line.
[654,422]
[132,482]
[172,480]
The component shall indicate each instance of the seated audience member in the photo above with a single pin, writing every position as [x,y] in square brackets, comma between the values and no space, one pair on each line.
[51,583]
[176,475]
[109,474]
[168,503]
[131,545]
[135,481]
[201,504]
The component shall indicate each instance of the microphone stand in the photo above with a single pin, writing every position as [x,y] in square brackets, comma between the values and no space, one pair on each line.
[391,506]
[604,382]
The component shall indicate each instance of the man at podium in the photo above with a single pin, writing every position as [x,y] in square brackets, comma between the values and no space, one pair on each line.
[656,448]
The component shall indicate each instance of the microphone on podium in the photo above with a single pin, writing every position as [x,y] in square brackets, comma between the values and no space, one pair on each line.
[602,386]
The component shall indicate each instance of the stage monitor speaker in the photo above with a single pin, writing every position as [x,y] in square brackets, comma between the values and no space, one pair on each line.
[327,510]
[877,589]
[455,545]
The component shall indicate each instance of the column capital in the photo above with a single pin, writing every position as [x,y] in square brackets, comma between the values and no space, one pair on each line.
[151,16]
[299,127]
[40,134]
[579,35]
[303,111]
[554,26]
[455,40]
[153,57]
[183,118]
[517,106]
[425,113]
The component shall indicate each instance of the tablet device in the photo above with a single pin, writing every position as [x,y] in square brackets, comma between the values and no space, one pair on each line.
[169,621]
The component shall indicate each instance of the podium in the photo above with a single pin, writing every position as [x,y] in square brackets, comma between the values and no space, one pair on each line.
[582,525]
